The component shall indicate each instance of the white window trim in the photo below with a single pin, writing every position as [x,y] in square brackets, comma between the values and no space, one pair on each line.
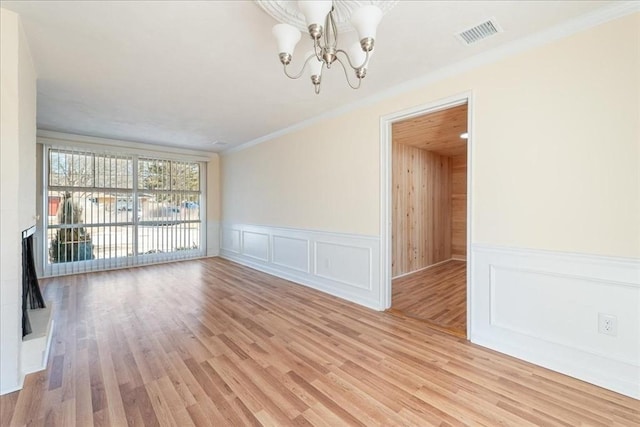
[55,140]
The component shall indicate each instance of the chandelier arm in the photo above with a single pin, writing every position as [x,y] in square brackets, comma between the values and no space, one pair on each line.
[317,49]
[317,80]
[346,75]
[297,76]
[364,64]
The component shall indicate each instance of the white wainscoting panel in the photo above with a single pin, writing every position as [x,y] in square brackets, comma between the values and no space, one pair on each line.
[543,307]
[255,245]
[291,253]
[230,240]
[349,265]
[343,265]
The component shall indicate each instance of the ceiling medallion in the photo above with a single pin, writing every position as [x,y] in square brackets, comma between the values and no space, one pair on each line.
[323,20]
[287,12]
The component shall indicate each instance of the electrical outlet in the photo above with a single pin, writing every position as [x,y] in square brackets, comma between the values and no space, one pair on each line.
[607,324]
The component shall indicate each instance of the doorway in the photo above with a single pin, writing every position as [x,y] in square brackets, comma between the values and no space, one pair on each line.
[428,215]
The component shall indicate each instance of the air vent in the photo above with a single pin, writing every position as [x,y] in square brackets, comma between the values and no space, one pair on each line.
[479,32]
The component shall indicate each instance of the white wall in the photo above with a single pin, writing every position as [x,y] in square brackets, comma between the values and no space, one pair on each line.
[213,206]
[17,186]
[556,161]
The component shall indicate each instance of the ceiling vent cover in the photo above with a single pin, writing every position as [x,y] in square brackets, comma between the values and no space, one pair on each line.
[479,32]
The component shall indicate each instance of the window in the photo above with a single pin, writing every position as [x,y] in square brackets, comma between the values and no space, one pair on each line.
[108,210]
[169,193]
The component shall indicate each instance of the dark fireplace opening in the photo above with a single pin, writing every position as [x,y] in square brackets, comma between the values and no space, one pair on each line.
[31,295]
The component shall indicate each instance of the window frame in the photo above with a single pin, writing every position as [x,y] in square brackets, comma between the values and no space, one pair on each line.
[72,267]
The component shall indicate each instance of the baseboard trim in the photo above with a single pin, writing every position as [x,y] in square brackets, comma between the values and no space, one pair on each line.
[298,280]
[426,268]
[512,287]
[343,265]
[13,389]
[565,365]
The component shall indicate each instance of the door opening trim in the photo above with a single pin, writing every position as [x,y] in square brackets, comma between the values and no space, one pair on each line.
[386,123]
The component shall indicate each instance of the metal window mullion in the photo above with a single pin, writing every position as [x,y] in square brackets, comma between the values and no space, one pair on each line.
[111,172]
[114,230]
[46,178]
[135,211]
[159,223]
[202,205]
[85,188]
[99,172]
[190,193]
[136,225]
[103,184]
[183,227]
[69,168]
[109,227]
[113,180]
[170,235]
[186,230]
[156,229]
[84,215]
[72,170]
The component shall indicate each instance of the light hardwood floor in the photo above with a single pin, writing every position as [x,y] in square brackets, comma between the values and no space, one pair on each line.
[209,342]
[437,295]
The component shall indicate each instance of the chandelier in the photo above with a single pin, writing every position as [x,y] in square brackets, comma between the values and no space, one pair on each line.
[321,21]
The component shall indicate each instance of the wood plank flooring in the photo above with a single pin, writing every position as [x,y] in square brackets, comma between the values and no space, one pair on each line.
[437,295]
[209,342]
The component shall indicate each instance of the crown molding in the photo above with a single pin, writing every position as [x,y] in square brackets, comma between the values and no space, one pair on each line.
[573,26]
[44,136]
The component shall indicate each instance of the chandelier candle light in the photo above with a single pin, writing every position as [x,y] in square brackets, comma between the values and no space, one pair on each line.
[319,17]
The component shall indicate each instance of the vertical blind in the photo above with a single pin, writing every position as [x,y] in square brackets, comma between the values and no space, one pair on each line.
[111,210]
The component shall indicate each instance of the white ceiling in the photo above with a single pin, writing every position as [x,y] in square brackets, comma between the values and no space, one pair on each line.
[187,74]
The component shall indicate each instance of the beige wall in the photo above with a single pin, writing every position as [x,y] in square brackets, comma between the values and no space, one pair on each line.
[319,179]
[555,153]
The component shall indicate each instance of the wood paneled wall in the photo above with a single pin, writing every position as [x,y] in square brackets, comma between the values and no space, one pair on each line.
[459,206]
[438,131]
[421,231]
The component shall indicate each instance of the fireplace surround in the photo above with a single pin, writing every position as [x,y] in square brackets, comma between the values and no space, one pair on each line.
[37,319]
